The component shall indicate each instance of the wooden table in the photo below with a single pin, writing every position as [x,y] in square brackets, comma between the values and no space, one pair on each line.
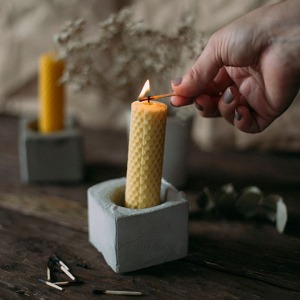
[229,258]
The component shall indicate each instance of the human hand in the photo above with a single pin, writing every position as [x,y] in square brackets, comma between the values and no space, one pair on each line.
[249,72]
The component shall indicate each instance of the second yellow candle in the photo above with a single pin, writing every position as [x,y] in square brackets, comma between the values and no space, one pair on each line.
[145,154]
[51,94]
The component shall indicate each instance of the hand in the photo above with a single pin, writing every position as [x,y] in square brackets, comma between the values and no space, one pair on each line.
[249,72]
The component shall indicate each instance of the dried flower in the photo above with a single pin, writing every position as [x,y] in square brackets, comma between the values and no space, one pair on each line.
[124,53]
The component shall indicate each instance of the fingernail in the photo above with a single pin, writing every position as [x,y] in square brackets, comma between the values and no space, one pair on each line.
[176,81]
[237,115]
[198,106]
[228,96]
[171,103]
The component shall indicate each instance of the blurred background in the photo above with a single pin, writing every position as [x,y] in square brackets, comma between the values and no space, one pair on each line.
[27,30]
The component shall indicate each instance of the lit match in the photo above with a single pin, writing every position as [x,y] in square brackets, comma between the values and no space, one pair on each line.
[156,97]
[146,89]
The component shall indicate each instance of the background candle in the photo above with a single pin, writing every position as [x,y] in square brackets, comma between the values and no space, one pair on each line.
[51,94]
[145,154]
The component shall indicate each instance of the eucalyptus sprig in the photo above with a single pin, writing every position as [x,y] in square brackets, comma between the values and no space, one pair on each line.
[249,202]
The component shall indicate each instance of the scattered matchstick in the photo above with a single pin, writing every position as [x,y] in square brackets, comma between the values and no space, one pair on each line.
[67,272]
[62,283]
[48,274]
[122,293]
[51,284]
[54,260]
[68,283]
[60,262]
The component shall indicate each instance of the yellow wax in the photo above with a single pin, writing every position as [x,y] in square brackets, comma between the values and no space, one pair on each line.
[51,94]
[145,154]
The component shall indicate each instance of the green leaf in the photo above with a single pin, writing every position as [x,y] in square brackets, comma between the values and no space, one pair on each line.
[206,200]
[270,206]
[276,211]
[281,216]
[248,202]
[226,198]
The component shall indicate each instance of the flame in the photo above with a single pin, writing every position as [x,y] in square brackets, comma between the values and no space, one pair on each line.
[145,90]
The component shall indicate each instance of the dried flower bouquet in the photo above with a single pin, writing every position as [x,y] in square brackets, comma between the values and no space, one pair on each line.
[124,53]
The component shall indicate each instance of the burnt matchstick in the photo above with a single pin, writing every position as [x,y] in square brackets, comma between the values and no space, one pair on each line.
[121,293]
[156,97]
[56,259]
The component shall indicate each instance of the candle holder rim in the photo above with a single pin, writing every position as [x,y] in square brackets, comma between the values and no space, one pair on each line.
[170,196]
[30,127]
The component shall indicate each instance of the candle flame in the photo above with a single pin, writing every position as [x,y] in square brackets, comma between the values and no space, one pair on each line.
[145,90]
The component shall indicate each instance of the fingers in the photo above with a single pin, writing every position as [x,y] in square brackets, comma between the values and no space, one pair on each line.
[233,107]
[207,106]
[177,101]
[245,121]
[214,89]
[220,105]
[228,103]
[213,83]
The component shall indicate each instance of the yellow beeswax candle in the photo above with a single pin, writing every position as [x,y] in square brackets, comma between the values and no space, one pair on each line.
[145,154]
[51,94]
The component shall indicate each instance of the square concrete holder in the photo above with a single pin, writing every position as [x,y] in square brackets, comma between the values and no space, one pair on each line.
[132,239]
[53,157]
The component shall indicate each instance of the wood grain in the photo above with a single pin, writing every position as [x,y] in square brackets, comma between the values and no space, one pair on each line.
[229,258]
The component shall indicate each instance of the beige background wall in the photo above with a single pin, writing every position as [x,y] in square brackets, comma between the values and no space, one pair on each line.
[26,31]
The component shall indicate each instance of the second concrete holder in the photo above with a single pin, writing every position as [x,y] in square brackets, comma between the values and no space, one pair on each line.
[54,157]
[132,239]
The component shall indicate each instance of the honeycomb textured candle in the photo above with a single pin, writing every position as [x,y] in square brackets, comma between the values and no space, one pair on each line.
[51,94]
[145,154]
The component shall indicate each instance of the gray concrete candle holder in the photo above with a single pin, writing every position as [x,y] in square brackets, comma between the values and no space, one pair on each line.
[132,239]
[53,157]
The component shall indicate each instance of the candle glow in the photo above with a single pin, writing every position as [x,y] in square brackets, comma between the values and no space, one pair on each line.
[145,89]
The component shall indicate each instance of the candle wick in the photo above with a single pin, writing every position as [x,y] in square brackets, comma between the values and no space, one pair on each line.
[149,97]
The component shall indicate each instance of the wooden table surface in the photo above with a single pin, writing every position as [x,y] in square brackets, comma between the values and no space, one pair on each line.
[228,258]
